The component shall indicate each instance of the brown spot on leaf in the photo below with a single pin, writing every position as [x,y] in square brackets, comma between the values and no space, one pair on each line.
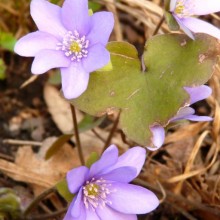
[108,111]
[201,58]
[183,43]
[112,93]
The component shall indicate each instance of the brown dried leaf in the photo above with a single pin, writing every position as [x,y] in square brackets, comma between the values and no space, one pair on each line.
[59,108]
[32,168]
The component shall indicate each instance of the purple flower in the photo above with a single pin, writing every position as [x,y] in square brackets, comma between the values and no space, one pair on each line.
[184,10]
[196,94]
[70,39]
[103,192]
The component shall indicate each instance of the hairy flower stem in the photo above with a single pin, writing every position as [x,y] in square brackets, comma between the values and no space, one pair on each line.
[158,26]
[76,132]
[37,200]
[108,141]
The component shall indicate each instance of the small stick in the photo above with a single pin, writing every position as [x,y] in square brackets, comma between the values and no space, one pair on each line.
[158,26]
[47,216]
[173,197]
[37,200]
[108,141]
[6,157]
[22,142]
[76,133]
[98,135]
[110,4]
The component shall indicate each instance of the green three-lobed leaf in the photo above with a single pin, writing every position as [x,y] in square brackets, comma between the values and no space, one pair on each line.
[155,95]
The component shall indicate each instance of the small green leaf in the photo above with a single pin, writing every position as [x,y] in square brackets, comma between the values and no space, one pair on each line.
[167,5]
[107,67]
[63,190]
[54,1]
[85,124]
[55,78]
[92,159]
[57,145]
[171,21]
[57,2]
[7,41]
[90,12]
[88,123]
[172,62]
[94,6]
[2,70]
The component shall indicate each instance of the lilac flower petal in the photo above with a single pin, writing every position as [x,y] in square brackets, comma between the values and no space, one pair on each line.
[198,26]
[97,57]
[48,59]
[187,30]
[101,27]
[113,199]
[158,137]
[203,7]
[74,80]
[47,17]
[68,215]
[91,215]
[108,158]
[172,5]
[198,93]
[75,16]
[121,174]
[187,113]
[134,157]
[78,207]
[32,43]
[198,118]
[183,113]
[110,214]
[132,199]
[76,178]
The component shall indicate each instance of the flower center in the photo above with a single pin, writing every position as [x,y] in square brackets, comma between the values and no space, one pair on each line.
[95,193]
[74,46]
[179,8]
[184,8]
[92,189]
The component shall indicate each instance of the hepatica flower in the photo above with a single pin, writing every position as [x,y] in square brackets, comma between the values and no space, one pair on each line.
[69,39]
[185,10]
[103,192]
[186,113]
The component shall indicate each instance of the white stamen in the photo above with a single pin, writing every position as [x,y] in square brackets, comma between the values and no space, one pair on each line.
[184,8]
[95,193]
[74,46]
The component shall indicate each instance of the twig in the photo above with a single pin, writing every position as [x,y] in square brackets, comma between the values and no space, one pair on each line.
[111,6]
[98,135]
[76,133]
[163,192]
[215,16]
[9,9]
[22,142]
[46,216]
[159,25]
[6,157]
[179,198]
[37,200]
[28,81]
[108,141]
[182,211]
